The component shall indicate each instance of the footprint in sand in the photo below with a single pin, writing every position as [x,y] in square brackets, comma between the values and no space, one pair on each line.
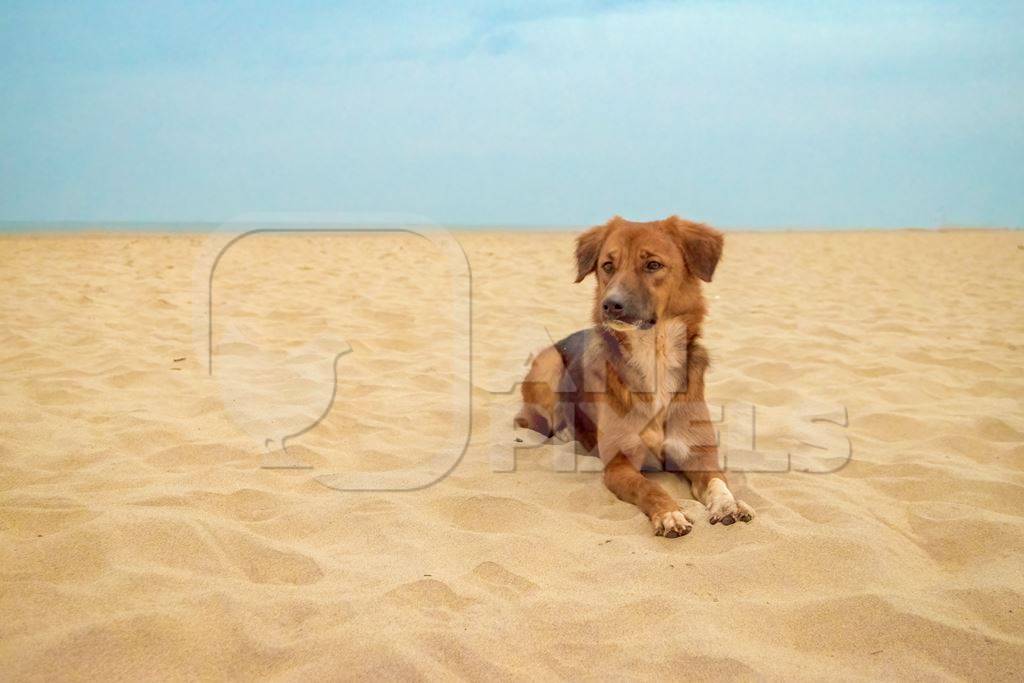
[262,563]
[428,593]
[489,513]
[497,579]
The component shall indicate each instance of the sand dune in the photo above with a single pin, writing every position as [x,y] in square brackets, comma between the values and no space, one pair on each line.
[142,533]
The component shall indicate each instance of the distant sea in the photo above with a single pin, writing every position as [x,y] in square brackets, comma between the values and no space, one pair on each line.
[14,227]
[108,226]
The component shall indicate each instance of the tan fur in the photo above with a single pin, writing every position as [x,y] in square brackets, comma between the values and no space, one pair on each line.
[643,385]
[539,387]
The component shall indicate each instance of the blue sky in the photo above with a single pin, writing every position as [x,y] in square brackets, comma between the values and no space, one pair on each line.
[742,114]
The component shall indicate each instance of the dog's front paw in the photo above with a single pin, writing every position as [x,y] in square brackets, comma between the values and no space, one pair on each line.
[728,510]
[671,524]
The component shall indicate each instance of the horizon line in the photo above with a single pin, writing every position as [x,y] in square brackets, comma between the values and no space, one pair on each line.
[116,226]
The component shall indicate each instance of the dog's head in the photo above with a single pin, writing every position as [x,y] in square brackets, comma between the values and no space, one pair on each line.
[647,271]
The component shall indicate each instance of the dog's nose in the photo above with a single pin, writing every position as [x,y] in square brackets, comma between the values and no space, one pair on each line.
[612,307]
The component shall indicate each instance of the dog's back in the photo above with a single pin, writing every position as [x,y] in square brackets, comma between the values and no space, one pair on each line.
[553,392]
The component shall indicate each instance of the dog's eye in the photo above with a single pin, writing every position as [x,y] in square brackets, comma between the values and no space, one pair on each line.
[607,267]
[652,266]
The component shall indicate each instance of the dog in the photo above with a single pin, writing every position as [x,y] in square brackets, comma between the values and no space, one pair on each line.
[631,388]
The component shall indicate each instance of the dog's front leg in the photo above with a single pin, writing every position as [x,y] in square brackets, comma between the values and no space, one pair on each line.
[710,487]
[690,448]
[631,486]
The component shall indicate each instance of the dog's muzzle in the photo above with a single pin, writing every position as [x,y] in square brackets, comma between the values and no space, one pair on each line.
[619,316]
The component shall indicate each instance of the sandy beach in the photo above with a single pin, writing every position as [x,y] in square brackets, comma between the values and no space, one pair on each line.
[151,525]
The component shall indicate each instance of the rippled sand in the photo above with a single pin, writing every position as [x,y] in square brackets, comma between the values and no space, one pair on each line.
[152,526]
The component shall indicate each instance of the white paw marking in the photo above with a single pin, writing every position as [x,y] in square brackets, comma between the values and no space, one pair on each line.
[723,507]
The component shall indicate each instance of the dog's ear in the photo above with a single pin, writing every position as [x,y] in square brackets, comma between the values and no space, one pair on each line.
[701,246]
[588,248]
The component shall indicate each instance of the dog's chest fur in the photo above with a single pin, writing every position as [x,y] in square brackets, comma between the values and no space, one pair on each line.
[646,371]
[655,365]
[659,358]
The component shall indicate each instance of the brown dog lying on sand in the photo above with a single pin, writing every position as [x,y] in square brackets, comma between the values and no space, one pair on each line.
[633,385]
